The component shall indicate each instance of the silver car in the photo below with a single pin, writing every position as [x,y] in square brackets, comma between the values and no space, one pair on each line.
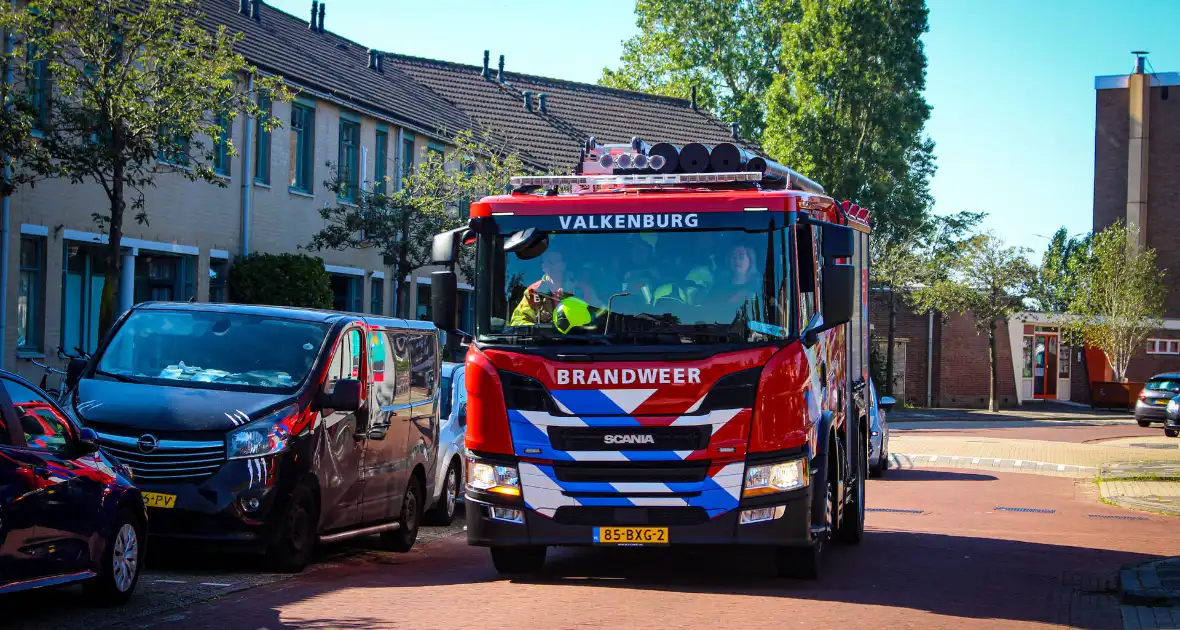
[449,473]
[878,432]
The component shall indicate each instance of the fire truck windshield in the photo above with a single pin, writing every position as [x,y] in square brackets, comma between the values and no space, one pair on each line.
[649,288]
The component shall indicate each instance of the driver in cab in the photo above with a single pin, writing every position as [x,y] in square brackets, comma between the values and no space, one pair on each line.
[542,297]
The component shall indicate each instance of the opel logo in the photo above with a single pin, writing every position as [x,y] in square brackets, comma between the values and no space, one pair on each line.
[147,443]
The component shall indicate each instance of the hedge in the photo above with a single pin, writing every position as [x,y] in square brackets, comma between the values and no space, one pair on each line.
[280,280]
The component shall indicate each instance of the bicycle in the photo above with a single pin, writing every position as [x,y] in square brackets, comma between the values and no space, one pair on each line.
[56,392]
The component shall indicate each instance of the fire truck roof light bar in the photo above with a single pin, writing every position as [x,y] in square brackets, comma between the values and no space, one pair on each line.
[634,180]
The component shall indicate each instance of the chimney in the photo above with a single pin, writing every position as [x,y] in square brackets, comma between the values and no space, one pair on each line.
[372,59]
[487,74]
[733,129]
[544,98]
[315,8]
[1140,60]
[694,98]
[500,74]
[256,10]
[528,101]
[380,59]
[323,5]
[244,7]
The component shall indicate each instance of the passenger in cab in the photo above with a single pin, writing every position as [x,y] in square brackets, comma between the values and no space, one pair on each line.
[542,297]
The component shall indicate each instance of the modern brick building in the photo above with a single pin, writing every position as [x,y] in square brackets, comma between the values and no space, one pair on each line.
[379,111]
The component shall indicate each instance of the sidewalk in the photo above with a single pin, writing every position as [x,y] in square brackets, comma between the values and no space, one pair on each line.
[1148,487]
[1031,411]
[1016,455]
[1150,594]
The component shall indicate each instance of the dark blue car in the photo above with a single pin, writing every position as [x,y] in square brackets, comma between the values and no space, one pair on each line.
[68,513]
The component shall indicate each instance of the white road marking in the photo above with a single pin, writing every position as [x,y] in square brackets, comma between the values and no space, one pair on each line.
[975,461]
[1019,462]
[933,458]
[1060,467]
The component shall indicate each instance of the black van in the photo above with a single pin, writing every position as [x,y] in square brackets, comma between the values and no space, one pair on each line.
[267,426]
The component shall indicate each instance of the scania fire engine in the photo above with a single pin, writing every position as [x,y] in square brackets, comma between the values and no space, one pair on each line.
[670,347]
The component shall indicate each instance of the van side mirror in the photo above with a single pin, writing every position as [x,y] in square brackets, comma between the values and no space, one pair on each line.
[886,403]
[74,371]
[444,250]
[345,396]
[444,298]
[87,441]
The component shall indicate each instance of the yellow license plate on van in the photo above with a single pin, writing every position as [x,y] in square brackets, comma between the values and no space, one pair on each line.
[631,535]
[159,500]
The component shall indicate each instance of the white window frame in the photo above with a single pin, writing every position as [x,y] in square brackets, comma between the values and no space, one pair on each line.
[1163,346]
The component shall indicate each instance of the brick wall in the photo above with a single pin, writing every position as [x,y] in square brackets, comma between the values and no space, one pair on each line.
[1110,156]
[914,329]
[963,365]
[1163,193]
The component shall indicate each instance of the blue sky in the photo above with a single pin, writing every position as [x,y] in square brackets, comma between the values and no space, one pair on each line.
[1011,81]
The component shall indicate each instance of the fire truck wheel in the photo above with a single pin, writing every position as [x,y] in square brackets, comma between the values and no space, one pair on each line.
[510,560]
[1172,432]
[852,517]
[802,563]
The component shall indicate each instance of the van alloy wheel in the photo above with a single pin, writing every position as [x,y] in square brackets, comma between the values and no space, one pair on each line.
[125,559]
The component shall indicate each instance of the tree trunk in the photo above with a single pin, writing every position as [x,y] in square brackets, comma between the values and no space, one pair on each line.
[108,307]
[891,334]
[993,403]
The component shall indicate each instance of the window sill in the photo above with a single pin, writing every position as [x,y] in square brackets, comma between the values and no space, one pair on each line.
[346,203]
[262,184]
[22,353]
[179,167]
[300,193]
[223,176]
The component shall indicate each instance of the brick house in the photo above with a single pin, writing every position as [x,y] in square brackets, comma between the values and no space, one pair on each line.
[379,111]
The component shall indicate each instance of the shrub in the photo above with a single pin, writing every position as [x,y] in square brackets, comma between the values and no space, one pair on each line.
[280,280]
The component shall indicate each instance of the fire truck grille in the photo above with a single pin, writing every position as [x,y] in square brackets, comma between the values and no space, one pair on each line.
[689,438]
[606,516]
[634,472]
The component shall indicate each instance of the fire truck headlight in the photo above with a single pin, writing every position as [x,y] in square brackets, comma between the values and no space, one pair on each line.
[493,478]
[763,479]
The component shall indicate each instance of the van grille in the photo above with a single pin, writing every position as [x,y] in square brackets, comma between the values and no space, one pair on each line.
[170,461]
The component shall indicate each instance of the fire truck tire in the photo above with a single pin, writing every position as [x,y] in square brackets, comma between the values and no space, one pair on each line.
[852,517]
[802,563]
[518,560]
[1172,432]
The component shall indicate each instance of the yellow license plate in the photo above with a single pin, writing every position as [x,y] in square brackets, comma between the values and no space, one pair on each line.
[158,500]
[631,535]
[1162,401]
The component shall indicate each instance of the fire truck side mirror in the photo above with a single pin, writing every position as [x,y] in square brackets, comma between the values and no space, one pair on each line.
[838,242]
[445,248]
[444,296]
[838,294]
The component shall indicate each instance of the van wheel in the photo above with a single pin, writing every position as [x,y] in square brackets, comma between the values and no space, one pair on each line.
[518,560]
[121,562]
[402,539]
[1144,423]
[444,512]
[292,549]
[1172,432]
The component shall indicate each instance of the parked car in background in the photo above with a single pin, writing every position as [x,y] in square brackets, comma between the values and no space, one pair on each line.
[68,513]
[274,428]
[1153,399]
[449,472]
[878,432]
[1172,418]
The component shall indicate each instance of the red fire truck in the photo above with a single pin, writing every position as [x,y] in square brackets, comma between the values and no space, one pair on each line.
[670,347]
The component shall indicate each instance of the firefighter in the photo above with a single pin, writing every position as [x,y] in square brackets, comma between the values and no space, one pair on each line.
[542,297]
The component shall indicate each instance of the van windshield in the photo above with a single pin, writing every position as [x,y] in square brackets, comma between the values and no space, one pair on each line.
[213,350]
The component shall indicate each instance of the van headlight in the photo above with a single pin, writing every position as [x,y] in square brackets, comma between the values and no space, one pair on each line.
[262,437]
[494,478]
[774,477]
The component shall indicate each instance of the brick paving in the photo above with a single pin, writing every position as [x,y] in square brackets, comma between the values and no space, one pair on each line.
[1040,451]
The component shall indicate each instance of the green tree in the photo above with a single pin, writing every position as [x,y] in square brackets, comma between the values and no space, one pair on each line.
[24,159]
[730,50]
[1056,283]
[134,83]
[433,199]
[280,280]
[847,108]
[1119,295]
[989,281]
[904,260]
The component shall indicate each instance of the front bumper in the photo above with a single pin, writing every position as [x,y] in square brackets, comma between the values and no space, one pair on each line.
[1172,421]
[793,528]
[216,509]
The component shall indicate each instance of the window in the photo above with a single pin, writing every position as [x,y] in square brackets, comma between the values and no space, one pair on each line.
[43,425]
[422,309]
[32,287]
[435,147]
[221,145]
[381,159]
[424,373]
[218,274]
[302,147]
[376,295]
[39,84]
[85,276]
[1027,358]
[262,140]
[346,360]
[165,278]
[346,293]
[1063,361]
[397,378]
[1163,346]
[808,273]
[349,159]
[407,155]
[464,201]
[174,148]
